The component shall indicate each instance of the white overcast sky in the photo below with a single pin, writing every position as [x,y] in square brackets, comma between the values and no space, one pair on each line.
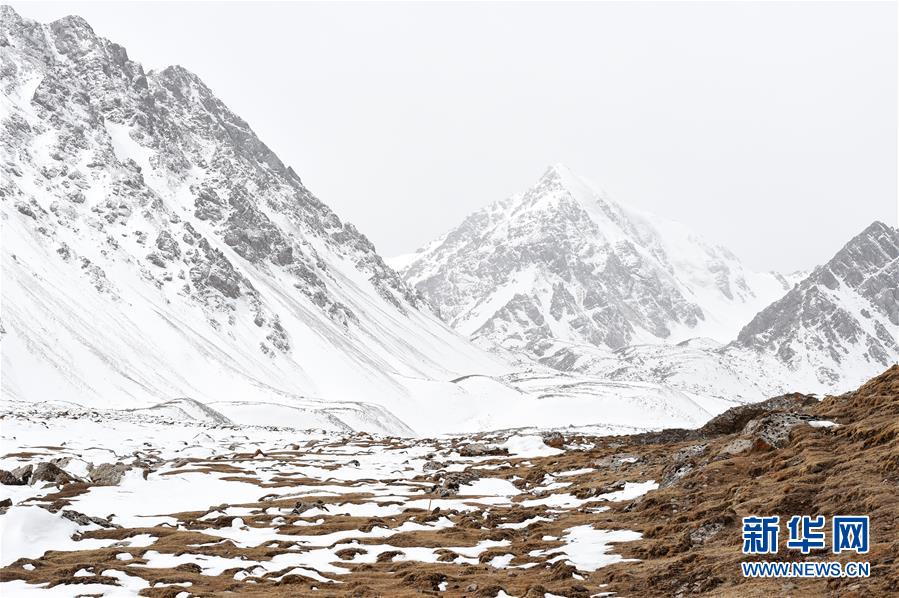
[769,127]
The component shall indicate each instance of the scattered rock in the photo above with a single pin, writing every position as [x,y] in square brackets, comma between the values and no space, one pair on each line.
[82,519]
[47,472]
[301,507]
[554,440]
[107,474]
[479,449]
[7,478]
[706,532]
[452,481]
[23,473]
[617,460]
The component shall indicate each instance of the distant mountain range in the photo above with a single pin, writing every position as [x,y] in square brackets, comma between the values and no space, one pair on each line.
[562,261]
[564,275]
[158,256]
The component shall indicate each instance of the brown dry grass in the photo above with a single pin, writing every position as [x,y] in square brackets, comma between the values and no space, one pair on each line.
[853,469]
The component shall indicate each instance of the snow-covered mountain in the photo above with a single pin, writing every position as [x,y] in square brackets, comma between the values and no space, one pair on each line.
[563,262]
[157,256]
[155,248]
[830,332]
[840,324]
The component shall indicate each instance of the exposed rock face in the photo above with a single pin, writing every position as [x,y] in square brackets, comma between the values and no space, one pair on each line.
[737,418]
[150,228]
[844,316]
[95,98]
[564,262]
[830,332]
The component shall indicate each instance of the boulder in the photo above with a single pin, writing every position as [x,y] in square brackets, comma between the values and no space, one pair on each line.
[82,519]
[772,430]
[48,472]
[23,473]
[107,474]
[433,465]
[735,447]
[301,507]
[452,481]
[735,419]
[7,478]
[479,449]
[554,440]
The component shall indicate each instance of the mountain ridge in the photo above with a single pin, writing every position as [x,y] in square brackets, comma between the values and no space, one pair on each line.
[155,248]
[826,335]
[612,276]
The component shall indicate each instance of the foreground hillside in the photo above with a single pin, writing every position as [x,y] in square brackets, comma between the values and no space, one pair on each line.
[149,506]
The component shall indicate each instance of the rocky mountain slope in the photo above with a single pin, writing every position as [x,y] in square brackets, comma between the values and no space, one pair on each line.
[564,275]
[155,248]
[828,334]
[842,321]
[563,262]
[277,512]
[158,257]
